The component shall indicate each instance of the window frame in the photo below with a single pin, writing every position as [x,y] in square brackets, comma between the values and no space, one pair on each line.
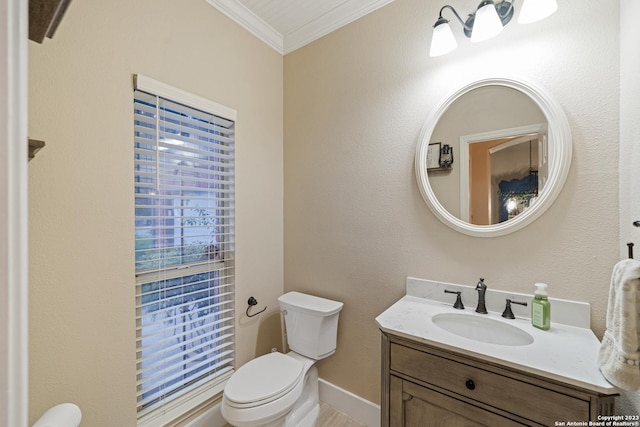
[183,403]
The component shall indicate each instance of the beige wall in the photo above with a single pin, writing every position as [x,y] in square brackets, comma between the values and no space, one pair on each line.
[355,223]
[82,315]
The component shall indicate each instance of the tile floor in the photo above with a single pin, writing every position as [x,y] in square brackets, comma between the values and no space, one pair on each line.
[329,417]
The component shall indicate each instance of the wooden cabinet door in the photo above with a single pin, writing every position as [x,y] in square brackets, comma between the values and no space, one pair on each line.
[421,413]
[416,406]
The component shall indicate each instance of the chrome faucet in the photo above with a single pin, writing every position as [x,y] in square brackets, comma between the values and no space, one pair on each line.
[482,289]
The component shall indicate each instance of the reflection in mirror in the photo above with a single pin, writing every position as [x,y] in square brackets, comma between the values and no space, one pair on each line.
[513,178]
[498,132]
[512,145]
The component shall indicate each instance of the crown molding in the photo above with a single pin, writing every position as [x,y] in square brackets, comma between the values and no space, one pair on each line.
[250,22]
[336,18]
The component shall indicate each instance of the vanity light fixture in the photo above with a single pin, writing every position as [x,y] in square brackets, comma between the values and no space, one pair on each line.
[486,22]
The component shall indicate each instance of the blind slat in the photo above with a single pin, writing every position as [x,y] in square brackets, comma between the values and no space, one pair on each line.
[215,370]
[150,275]
[151,359]
[228,313]
[174,307]
[169,353]
[147,107]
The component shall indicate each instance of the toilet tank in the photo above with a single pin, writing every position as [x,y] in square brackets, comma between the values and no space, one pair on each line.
[312,324]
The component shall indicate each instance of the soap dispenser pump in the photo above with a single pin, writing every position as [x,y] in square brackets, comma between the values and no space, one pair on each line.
[541,308]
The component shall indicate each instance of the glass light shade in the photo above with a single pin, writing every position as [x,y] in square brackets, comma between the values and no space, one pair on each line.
[443,40]
[535,10]
[487,23]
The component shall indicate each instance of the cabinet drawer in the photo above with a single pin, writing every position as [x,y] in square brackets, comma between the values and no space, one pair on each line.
[535,403]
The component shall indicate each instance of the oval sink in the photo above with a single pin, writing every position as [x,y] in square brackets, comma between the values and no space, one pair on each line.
[482,329]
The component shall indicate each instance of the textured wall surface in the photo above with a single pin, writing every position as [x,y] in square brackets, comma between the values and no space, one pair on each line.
[82,311]
[355,223]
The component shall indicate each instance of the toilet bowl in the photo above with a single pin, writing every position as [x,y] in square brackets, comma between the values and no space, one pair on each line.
[270,389]
[282,389]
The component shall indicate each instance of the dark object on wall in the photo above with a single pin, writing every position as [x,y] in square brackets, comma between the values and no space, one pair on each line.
[252,302]
[446,157]
[44,18]
[34,146]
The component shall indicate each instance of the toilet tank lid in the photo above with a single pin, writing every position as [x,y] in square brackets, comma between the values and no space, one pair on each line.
[311,303]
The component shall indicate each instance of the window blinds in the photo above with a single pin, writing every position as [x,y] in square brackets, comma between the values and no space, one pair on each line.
[184,246]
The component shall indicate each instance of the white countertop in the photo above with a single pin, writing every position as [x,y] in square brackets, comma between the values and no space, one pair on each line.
[564,353]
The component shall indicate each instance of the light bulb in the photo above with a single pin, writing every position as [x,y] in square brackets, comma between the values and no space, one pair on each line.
[487,23]
[443,40]
[535,10]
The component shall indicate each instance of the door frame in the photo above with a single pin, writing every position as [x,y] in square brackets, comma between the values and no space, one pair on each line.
[466,140]
[13,214]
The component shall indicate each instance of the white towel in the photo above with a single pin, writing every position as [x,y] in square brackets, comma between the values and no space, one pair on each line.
[619,355]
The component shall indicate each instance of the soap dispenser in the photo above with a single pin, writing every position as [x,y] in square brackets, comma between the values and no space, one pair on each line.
[541,308]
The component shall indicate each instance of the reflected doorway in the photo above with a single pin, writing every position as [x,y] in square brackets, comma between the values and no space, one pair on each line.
[503,176]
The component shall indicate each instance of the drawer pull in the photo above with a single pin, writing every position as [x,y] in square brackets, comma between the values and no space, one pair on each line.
[470,384]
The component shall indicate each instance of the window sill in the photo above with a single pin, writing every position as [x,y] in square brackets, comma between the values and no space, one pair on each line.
[182,407]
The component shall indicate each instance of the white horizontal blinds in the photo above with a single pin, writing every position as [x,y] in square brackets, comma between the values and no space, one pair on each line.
[184,254]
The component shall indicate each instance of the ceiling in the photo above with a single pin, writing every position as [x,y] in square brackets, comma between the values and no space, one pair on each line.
[287,25]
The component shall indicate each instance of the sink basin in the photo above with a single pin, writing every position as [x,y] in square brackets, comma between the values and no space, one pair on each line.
[482,329]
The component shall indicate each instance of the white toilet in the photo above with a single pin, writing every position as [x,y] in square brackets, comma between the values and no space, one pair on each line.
[282,389]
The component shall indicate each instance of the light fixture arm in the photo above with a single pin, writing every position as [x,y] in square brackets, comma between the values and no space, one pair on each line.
[467,29]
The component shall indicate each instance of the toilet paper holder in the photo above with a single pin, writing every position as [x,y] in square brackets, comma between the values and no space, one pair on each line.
[252,301]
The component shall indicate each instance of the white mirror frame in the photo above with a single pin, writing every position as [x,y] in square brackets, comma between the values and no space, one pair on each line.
[560,152]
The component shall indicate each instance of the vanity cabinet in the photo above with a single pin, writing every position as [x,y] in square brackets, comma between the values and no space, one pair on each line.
[425,386]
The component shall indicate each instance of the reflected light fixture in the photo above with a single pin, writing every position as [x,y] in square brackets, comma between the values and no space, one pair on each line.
[486,22]
[512,207]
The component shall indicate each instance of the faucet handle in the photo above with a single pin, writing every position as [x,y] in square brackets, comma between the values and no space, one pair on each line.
[458,304]
[507,313]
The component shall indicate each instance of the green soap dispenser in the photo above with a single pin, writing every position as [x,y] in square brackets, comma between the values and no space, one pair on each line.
[541,308]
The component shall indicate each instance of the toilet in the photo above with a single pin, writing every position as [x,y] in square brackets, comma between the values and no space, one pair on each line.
[282,389]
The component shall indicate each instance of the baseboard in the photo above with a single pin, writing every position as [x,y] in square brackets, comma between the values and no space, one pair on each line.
[338,398]
[348,403]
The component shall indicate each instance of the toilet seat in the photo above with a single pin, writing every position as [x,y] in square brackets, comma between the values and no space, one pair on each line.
[263,380]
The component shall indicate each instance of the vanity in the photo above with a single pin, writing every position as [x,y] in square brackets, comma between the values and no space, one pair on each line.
[492,157]
[504,372]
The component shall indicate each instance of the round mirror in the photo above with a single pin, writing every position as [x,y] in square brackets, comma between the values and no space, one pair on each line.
[493,156]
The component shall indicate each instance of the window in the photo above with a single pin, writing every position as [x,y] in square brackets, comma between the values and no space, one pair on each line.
[184,247]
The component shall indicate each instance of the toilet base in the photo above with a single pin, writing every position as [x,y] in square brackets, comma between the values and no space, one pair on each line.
[310,419]
[306,410]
